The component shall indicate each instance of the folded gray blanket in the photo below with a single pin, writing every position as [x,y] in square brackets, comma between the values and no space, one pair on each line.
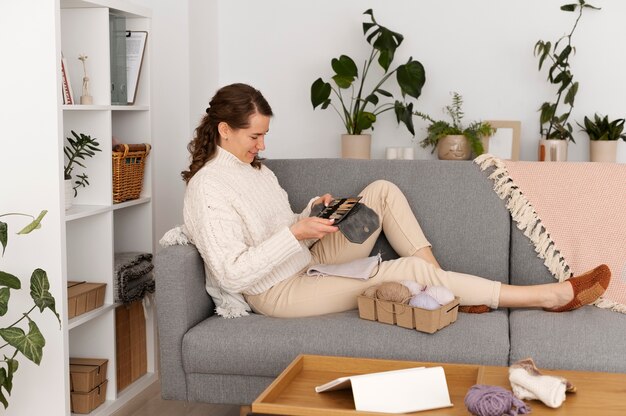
[133,276]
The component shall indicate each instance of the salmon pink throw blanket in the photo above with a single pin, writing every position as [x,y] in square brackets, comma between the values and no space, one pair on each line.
[573,212]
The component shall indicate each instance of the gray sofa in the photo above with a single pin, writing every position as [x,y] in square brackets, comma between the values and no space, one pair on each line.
[211,359]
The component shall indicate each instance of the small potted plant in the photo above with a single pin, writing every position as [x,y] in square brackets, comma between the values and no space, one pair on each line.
[80,147]
[359,106]
[603,137]
[453,141]
[554,129]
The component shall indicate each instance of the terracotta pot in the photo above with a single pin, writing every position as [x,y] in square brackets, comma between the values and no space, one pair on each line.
[455,147]
[356,146]
[552,150]
[69,194]
[602,150]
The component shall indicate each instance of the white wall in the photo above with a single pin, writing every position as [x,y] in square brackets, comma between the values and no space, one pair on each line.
[481,48]
[30,144]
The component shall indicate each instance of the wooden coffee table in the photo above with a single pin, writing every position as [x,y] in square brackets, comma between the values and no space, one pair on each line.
[292,393]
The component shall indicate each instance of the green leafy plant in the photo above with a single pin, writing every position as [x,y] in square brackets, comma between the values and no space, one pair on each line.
[551,125]
[438,129]
[601,128]
[80,147]
[30,344]
[354,107]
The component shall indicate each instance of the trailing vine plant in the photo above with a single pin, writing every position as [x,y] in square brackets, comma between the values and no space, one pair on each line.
[30,344]
[551,125]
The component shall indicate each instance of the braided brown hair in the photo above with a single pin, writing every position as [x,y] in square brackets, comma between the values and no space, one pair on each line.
[232,104]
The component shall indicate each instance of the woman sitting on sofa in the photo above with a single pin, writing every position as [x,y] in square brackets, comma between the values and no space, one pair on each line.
[256,250]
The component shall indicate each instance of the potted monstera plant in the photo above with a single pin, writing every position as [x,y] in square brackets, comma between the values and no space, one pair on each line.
[604,135]
[453,140]
[554,127]
[358,102]
[76,151]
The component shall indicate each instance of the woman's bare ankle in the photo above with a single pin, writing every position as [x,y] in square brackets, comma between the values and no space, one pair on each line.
[561,294]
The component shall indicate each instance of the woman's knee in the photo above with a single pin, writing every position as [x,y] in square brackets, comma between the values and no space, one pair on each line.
[382,187]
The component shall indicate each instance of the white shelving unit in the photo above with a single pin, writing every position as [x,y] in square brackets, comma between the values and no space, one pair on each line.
[95,227]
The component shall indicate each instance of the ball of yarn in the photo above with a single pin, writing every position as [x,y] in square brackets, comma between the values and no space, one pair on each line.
[393,292]
[413,286]
[441,294]
[370,292]
[482,400]
[424,301]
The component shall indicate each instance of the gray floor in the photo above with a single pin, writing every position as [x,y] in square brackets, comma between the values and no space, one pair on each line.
[152,405]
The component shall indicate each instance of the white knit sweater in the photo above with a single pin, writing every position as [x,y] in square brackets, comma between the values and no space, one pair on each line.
[239,217]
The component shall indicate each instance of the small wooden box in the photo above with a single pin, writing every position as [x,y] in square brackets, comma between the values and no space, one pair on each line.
[406,316]
[87,402]
[84,297]
[87,373]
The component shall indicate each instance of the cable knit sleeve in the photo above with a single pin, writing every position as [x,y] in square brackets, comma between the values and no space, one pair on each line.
[218,233]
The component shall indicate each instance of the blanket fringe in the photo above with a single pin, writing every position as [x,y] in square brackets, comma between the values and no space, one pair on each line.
[609,304]
[526,217]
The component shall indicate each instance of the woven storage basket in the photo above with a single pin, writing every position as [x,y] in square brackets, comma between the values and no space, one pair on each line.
[128,168]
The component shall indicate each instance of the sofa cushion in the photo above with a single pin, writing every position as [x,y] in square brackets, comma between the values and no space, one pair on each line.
[257,345]
[526,267]
[462,217]
[588,338]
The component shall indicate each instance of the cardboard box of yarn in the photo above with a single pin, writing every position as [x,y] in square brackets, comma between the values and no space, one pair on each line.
[409,305]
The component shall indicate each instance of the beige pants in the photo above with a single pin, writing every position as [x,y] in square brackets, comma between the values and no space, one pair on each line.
[303,295]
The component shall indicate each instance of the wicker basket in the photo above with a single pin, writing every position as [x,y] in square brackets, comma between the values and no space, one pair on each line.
[128,168]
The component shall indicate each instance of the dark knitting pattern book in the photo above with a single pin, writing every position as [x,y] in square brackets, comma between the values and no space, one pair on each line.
[339,208]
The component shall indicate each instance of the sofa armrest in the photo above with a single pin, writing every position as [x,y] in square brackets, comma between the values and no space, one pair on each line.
[181,302]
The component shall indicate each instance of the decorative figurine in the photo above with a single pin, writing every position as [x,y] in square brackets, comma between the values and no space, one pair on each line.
[85,98]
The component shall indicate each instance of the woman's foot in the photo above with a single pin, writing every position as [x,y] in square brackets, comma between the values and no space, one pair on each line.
[581,290]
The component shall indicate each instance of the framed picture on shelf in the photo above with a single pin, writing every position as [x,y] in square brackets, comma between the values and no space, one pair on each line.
[505,142]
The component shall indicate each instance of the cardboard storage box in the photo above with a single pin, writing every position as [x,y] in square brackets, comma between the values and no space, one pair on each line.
[87,373]
[87,402]
[84,297]
[408,316]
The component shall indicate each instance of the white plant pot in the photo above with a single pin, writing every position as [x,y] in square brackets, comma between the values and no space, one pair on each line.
[69,194]
[552,150]
[356,146]
[620,154]
[602,150]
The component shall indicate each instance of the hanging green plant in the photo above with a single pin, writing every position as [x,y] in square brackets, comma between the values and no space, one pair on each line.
[30,342]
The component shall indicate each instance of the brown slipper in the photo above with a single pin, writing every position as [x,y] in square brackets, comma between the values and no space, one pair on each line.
[474,309]
[588,287]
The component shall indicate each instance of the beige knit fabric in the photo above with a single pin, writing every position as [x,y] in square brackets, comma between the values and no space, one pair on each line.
[239,217]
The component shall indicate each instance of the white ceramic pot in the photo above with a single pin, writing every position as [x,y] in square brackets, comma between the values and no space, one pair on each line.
[620,155]
[552,150]
[356,146]
[455,147]
[69,194]
[602,150]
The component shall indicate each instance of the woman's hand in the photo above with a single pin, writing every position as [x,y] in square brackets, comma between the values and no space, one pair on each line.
[324,199]
[312,228]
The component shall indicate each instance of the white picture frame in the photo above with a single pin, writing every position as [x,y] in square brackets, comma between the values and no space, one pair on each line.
[505,142]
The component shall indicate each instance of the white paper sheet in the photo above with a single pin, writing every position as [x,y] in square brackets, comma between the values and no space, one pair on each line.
[399,391]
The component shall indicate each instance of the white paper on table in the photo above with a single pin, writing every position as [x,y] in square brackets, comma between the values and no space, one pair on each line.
[398,391]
